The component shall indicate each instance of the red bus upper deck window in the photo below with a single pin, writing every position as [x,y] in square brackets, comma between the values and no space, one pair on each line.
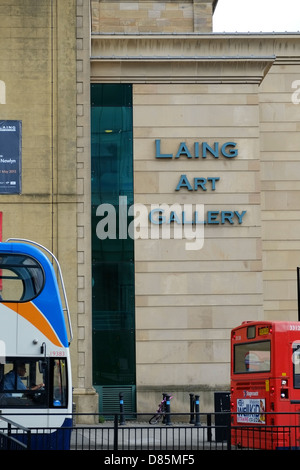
[296,363]
[252,357]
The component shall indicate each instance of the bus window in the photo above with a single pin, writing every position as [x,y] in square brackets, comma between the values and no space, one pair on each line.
[60,395]
[21,278]
[252,357]
[296,363]
[23,384]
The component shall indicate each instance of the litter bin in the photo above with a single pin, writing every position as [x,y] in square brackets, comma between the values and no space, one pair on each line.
[222,421]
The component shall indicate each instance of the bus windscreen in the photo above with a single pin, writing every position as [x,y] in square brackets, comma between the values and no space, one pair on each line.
[252,357]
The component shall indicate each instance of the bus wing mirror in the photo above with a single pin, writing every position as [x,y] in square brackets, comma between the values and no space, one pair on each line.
[42,366]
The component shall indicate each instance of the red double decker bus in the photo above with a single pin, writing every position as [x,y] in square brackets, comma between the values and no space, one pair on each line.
[265,385]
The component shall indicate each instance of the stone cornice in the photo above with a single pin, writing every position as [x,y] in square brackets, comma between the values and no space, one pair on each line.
[120,71]
[194,45]
[190,58]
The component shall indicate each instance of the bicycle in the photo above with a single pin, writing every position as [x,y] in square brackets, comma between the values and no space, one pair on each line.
[161,412]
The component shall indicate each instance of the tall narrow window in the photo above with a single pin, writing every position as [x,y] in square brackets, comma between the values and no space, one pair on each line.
[112,248]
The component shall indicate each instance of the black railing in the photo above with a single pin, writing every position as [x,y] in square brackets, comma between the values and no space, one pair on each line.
[13,436]
[120,434]
[179,433]
[183,431]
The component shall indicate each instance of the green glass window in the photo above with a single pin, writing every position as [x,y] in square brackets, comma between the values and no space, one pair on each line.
[112,250]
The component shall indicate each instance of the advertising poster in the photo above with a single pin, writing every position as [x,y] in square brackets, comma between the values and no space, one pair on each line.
[251,410]
[10,157]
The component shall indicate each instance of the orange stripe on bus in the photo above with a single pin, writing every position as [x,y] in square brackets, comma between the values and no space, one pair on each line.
[28,311]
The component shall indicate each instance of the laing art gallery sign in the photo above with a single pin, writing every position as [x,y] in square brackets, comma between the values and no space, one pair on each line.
[175,221]
[227,150]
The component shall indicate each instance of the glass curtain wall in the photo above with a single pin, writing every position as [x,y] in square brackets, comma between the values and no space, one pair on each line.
[112,248]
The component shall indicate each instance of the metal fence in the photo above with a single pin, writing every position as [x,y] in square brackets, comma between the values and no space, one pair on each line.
[140,435]
[188,432]
[9,434]
[212,431]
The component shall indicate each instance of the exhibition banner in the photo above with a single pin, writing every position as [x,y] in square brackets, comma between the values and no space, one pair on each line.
[10,157]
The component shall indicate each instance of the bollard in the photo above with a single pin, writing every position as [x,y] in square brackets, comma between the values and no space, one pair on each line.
[168,409]
[122,419]
[192,404]
[73,415]
[197,410]
[164,416]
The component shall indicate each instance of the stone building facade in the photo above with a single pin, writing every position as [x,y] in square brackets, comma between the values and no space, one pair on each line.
[192,86]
